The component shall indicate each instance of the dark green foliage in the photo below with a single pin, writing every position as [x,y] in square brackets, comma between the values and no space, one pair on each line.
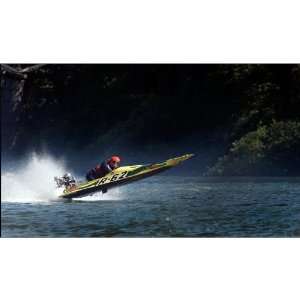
[270,150]
[92,106]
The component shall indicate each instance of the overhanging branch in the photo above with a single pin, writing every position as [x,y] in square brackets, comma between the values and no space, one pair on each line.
[21,73]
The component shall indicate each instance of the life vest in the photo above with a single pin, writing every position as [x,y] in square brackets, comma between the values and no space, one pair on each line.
[99,171]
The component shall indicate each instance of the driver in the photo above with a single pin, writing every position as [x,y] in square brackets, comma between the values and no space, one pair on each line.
[104,168]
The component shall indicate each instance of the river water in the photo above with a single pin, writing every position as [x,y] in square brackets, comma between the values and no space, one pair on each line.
[165,206]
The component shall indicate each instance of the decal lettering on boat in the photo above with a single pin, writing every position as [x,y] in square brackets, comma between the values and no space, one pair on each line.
[118,176]
[123,175]
[101,181]
[114,177]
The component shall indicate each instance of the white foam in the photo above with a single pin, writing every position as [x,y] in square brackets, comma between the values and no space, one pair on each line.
[113,194]
[32,181]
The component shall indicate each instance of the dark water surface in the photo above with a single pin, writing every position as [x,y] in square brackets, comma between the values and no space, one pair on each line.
[167,206]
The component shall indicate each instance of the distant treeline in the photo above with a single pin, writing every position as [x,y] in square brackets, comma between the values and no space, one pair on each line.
[255,107]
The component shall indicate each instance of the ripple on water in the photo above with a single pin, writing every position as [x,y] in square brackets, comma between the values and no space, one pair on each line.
[177,207]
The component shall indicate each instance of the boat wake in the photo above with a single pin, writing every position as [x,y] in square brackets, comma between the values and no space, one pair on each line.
[111,195]
[32,181]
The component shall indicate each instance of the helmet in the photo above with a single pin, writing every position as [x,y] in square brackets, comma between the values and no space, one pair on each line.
[114,159]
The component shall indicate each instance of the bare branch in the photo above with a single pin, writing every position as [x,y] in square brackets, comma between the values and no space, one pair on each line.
[21,73]
[32,68]
[12,70]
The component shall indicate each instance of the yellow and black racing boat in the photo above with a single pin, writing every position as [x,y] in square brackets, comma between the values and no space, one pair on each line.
[121,175]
